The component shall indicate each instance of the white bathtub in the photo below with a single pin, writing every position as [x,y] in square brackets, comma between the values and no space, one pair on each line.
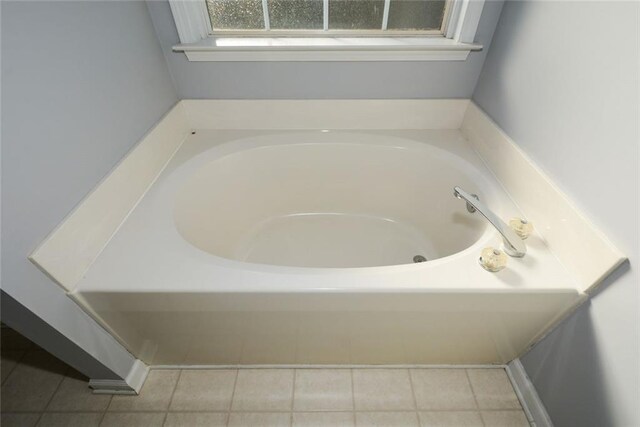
[289,247]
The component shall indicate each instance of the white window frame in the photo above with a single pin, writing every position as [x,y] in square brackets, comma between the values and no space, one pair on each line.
[453,43]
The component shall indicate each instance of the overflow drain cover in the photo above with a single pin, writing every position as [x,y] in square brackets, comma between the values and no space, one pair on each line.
[419,258]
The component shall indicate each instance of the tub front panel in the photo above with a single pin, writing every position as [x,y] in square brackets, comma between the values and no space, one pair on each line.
[330,328]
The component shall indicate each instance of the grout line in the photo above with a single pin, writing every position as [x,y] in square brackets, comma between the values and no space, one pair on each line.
[17,363]
[104,413]
[473,393]
[293,391]
[413,392]
[53,394]
[173,392]
[353,397]
[233,395]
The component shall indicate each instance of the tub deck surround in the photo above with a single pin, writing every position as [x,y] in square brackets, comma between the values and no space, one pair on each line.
[216,260]
[68,252]
[568,233]
[336,114]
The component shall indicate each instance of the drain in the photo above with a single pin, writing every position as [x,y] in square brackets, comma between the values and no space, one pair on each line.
[419,258]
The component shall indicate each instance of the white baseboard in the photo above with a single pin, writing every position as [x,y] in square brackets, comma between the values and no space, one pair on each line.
[128,386]
[531,403]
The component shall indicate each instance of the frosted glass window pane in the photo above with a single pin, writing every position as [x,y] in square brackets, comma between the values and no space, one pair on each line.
[236,14]
[415,14]
[355,14]
[295,14]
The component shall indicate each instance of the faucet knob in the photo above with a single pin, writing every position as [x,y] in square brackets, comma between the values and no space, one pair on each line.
[521,227]
[492,259]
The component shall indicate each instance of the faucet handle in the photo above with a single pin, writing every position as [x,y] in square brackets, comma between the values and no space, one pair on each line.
[521,227]
[492,259]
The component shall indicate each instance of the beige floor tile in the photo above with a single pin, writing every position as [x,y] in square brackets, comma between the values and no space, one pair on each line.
[32,383]
[13,419]
[505,419]
[492,389]
[70,419]
[442,389]
[451,419]
[323,419]
[387,419]
[154,396]
[259,419]
[323,390]
[263,390]
[196,419]
[10,360]
[382,389]
[204,390]
[74,394]
[133,419]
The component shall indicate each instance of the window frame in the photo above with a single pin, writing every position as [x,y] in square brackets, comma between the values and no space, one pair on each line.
[453,41]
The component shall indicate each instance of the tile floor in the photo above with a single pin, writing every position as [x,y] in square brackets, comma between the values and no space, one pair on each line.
[39,390]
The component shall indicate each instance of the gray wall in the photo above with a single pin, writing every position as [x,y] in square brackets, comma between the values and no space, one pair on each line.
[81,83]
[562,80]
[292,80]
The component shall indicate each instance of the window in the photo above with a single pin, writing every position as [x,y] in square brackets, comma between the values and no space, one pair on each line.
[326,30]
[312,17]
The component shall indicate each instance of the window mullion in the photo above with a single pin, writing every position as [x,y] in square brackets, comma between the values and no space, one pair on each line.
[325,15]
[265,12]
[385,16]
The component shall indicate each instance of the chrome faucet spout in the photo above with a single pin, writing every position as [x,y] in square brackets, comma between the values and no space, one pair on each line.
[513,244]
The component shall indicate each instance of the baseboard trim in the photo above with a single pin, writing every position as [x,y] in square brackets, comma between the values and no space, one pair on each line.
[531,402]
[131,385]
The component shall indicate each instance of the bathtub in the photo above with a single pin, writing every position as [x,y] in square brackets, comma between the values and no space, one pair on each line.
[299,248]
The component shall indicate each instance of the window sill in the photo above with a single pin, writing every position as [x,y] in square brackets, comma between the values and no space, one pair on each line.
[327,49]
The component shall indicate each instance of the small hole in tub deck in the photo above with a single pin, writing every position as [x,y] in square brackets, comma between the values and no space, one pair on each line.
[193,132]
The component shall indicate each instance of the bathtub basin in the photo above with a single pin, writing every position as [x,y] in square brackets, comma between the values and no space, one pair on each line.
[311,201]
